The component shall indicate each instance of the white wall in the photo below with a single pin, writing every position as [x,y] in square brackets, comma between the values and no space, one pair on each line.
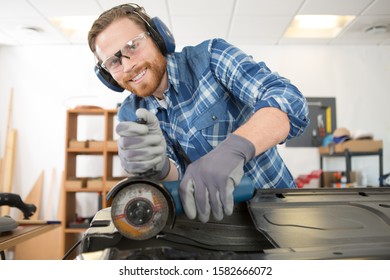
[45,79]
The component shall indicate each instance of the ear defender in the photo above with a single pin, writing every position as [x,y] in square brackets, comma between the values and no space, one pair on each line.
[160,34]
[107,79]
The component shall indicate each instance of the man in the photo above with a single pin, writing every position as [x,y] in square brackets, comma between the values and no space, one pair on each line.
[210,114]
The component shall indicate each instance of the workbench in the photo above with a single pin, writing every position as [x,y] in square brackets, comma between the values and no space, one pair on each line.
[23,233]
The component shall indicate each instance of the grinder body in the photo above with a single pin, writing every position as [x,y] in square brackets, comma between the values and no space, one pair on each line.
[141,207]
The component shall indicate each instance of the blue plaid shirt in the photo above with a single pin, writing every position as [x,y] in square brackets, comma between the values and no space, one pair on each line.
[213,89]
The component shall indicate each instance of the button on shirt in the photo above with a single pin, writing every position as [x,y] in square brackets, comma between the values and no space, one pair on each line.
[213,89]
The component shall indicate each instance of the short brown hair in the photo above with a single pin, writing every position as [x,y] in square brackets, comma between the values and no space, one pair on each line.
[132,11]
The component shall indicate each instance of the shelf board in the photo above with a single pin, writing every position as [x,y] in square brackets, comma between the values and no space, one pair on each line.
[86,189]
[110,183]
[85,150]
[112,111]
[347,153]
[87,111]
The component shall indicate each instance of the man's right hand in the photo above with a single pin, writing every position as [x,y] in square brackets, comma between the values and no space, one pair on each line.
[142,147]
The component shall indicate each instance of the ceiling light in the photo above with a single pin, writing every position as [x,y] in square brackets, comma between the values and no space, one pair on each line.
[317,26]
[73,26]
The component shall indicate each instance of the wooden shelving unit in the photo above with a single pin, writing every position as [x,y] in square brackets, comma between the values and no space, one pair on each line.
[73,182]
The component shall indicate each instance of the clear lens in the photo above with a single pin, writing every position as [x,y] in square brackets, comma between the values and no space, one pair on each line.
[113,64]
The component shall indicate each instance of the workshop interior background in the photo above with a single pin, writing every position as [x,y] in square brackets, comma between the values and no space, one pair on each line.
[49,73]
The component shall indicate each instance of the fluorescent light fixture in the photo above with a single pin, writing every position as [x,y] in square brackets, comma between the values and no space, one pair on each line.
[73,26]
[317,26]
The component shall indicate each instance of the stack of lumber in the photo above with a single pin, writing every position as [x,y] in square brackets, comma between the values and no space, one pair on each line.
[7,161]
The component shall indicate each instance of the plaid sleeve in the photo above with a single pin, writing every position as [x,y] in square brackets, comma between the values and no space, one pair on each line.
[254,84]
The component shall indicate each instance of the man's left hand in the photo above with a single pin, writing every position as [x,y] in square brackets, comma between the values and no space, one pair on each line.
[208,183]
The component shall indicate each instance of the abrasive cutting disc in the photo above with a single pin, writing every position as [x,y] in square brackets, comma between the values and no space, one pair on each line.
[139,211]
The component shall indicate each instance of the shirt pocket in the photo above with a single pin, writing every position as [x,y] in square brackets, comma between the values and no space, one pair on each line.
[211,116]
[212,125]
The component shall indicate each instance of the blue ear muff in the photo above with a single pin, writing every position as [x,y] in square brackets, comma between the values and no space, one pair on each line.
[107,79]
[164,37]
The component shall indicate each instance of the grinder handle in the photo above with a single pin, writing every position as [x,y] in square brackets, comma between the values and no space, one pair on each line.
[242,192]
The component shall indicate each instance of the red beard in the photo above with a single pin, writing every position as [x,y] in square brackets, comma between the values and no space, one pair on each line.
[155,70]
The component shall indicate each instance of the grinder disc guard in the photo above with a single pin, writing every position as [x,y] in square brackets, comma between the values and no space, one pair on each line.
[139,211]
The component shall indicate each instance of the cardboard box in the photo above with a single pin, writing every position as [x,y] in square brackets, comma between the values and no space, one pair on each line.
[353,146]
[330,178]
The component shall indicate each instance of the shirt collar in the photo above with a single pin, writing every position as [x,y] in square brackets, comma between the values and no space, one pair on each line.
[173,72]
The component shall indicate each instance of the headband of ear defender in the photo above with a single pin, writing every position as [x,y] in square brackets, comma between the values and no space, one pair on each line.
[160,34]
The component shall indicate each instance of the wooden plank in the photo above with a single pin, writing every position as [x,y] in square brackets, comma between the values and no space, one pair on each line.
[35,196]
[61,215]
[9,160]
[3,164]
[7,163]
[8,167]
[1,175]
[11,100]
[49,215]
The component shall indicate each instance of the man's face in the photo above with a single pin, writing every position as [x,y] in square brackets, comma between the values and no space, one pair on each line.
[143,72]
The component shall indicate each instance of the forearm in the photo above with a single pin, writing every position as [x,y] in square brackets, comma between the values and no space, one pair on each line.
[266,128]
[173,173]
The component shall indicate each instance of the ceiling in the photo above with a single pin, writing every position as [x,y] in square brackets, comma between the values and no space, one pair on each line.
[242,22]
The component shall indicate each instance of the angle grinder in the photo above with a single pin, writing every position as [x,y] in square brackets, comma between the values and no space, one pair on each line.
[142,207]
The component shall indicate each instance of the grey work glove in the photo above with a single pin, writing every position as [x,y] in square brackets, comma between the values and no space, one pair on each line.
[209,182]
[142,147]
